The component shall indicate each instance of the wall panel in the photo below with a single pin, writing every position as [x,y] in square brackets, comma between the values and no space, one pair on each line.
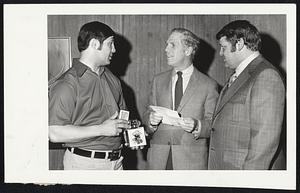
[145,37]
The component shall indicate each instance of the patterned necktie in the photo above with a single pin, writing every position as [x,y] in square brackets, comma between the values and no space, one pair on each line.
[178,90]
[229,82]
[232,79]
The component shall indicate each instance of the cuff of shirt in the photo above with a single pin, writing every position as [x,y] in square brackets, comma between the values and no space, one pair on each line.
[153,128]
[198,127]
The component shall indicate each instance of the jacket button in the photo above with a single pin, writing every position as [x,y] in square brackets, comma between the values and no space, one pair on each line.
[212,129]
[212,148]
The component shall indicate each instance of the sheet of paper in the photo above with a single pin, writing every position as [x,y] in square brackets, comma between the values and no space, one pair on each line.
[170,117]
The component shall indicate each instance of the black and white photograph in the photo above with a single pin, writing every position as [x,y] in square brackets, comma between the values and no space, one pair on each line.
[159,92]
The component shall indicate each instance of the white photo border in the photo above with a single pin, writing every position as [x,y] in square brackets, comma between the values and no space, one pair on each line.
[26,99]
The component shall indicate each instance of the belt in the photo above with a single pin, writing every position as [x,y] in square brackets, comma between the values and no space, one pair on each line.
[111,155]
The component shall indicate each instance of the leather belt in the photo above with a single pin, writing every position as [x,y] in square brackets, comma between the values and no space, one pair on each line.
[111,155]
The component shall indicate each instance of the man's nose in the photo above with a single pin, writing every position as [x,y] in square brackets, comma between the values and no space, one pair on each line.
[221,52]
[113,49]
[167,49]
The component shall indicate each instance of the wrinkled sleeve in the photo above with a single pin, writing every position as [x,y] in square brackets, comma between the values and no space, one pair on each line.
[61,103]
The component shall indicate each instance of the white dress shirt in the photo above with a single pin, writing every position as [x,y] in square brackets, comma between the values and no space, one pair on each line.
[245,63]
[186,75]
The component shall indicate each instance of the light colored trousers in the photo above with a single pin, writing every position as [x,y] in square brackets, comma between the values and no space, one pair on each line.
[77,162]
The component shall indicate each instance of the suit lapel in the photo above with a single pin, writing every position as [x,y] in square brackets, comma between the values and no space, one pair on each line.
[189,91]
[237,84]
[219,100]
[168,90]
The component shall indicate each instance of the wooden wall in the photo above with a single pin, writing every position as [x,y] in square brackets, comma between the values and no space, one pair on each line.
[140,54]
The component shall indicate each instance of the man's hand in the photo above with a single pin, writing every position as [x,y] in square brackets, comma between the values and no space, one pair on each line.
[189,124]
[113,126]
[193,126]
[137,147]
[196,132]
[154,118]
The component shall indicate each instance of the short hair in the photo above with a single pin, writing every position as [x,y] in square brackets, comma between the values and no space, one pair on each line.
[235,30]
[95,29]
[189,39]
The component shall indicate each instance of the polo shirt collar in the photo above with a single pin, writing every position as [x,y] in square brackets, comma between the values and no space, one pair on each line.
[81,68]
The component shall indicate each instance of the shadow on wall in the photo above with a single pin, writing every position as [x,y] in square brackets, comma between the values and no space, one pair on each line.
[120,62]
[272,52]
[204,56]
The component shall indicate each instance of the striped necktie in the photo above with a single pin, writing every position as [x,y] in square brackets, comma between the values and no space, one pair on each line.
[229,83]
[232,79]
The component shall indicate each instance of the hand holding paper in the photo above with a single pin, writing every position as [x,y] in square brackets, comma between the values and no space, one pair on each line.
[168,116]
[155,118]
[189,124]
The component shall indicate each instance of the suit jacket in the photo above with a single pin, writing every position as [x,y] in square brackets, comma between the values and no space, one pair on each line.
[198,101]
[247,120]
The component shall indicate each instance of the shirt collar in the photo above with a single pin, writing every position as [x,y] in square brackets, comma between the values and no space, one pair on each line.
[245,63]
[81,68]
[188,70]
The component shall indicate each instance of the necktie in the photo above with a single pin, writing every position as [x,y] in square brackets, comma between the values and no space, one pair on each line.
[229,82]
[178,90]
[232,79]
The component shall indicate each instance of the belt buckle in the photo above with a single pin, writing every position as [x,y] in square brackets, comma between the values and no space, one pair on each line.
[115,154]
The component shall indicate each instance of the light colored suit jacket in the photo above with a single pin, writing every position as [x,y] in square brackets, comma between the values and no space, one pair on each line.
[247,120]
[198,102]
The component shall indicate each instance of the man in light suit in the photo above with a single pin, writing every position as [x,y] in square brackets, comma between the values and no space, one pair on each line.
[179,147]
[248,117]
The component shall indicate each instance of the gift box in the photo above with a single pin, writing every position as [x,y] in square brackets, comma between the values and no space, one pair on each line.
[135,137]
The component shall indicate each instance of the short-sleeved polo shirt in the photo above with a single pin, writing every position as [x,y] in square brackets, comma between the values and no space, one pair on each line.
[81,97]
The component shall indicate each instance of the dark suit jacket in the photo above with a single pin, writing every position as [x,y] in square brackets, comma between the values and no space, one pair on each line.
[198,101]
[247,120]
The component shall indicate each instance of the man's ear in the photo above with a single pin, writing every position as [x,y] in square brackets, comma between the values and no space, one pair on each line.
[188,51]
[240,44]
[94,43]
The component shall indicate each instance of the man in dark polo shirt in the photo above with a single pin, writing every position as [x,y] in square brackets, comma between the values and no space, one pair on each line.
[84,104]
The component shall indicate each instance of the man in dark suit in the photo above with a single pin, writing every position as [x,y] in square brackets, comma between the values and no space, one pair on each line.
[189,92]
[247,121]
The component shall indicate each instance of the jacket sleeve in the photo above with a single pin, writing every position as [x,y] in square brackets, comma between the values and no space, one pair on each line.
[209,107]
[152,101]
[266,115]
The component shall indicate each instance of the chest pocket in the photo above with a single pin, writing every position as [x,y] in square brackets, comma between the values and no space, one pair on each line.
[239,98]
[238,107]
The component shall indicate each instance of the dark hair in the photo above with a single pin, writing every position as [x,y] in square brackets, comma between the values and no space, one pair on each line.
[95,29]
[189,39]
[241,29]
